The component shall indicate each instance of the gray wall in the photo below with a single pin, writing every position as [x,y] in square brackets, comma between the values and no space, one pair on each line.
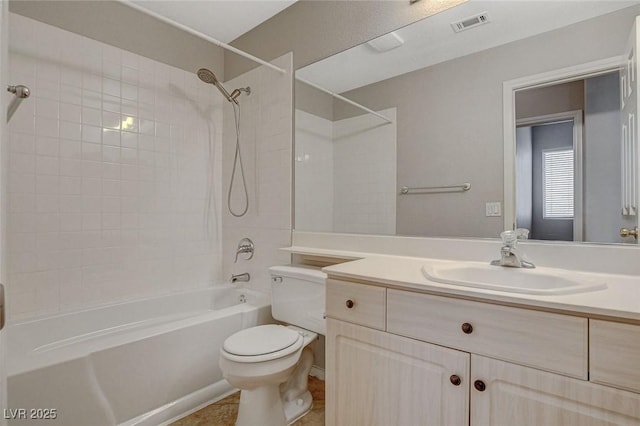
[315,29]
[313,101]
[113,23]
[550,136]
[602,205]
[550,99]
[450,127]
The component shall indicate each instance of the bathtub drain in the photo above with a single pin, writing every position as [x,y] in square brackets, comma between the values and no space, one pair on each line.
[243,299]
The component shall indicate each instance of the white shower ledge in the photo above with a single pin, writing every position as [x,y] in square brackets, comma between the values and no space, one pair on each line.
[620,300]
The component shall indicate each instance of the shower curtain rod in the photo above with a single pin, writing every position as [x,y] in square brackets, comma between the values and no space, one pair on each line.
[342,98]
[201,35]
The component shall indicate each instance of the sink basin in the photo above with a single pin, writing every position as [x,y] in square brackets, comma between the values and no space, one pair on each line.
[546,281]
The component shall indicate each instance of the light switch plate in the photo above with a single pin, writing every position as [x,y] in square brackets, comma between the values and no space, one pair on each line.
[494,209]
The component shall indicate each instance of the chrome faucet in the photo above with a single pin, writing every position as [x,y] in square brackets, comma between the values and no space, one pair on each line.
[244,277]
[508,254]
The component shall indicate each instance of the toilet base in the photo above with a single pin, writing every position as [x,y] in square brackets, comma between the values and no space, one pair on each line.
[295,409]
[261,406]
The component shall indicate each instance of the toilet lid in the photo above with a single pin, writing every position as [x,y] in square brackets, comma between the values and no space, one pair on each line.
[260,340]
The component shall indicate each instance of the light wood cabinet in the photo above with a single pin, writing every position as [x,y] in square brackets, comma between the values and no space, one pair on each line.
[520,335]
[515,395]
[401,373]
[615,354]
[378,379]
[357,303]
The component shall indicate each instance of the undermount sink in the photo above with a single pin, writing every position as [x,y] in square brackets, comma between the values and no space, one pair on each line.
[545,281]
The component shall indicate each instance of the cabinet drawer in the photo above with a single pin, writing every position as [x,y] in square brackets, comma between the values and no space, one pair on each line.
[614,354]
[549,341]
[356,303]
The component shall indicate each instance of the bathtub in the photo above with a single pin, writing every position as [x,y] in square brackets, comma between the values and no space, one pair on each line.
[141,363]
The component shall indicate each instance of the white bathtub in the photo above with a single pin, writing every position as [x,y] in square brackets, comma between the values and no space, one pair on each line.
[137,363]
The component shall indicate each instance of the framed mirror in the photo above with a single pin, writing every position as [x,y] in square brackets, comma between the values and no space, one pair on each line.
[437,162]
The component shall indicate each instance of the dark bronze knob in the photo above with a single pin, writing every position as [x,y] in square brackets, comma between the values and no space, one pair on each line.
[455,380]
[350,303]
[479,385]
[467,328]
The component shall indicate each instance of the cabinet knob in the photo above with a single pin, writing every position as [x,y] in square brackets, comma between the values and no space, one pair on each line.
[455,380]
[624,232]
[467,328]
[479,385]
[350,303]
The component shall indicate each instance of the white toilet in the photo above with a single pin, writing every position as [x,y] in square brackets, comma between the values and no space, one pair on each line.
[270,363]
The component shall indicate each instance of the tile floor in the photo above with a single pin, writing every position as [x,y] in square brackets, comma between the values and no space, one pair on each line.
[224,412]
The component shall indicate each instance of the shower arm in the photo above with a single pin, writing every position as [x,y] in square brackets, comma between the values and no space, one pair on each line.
[21,92]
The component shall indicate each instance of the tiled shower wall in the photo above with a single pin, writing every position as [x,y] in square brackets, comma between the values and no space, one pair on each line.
[344,179]
[313,163]
[266,129]
[111,164]
[364,175]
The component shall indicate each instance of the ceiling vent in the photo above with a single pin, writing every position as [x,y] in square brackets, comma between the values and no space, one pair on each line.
[471,22]
[386,42]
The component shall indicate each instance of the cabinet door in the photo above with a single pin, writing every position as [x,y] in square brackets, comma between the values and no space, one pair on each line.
[375,378]
[516,395]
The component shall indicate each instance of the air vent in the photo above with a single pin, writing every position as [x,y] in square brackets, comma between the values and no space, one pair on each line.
[386,42]
[470,22]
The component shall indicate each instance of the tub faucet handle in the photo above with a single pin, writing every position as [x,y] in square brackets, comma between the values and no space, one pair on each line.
[244,246]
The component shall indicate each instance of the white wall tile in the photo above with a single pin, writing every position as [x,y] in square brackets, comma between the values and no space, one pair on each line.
[47,146]
[266,151]
[23,143]
[363,179]
[70,130]
[71,94]
[313,162]
[22,183]
[47,108]
[91,219]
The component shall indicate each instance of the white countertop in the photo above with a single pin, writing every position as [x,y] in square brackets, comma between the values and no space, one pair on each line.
[619,300]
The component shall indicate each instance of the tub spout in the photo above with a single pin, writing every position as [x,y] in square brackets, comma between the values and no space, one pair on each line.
[240,277]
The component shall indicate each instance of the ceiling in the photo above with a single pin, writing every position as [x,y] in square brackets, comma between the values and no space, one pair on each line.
[224,20]
[432,40]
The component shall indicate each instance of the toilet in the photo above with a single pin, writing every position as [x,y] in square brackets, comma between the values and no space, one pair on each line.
[270,363]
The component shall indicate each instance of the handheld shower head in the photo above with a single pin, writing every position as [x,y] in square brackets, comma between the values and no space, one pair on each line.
[209,77]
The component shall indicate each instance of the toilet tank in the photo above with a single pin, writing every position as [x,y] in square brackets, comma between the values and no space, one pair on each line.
[298,296]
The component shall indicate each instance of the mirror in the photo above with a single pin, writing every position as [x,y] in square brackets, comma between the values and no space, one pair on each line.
[439,82]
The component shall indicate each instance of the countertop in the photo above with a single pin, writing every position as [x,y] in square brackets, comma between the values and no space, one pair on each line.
[620,300]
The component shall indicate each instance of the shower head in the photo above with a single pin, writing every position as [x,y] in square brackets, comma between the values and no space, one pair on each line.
[209,77]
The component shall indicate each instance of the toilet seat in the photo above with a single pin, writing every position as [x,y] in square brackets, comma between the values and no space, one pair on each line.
[261,343]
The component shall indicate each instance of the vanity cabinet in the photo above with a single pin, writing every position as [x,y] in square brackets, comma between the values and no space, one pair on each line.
[357,304]
[520,335]
[619,342]
[378,379]
[514,395]
[437,360]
